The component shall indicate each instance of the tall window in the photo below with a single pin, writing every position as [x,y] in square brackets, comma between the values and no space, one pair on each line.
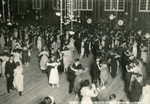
[37,4]
[21,6]
[114,5]
[82,5]
[144,5]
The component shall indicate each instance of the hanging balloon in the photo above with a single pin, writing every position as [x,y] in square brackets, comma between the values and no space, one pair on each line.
[135,19]
[71,16]
[120,22]
[37,18]
[111,17]
[126,13]
[22,17]
[89,21]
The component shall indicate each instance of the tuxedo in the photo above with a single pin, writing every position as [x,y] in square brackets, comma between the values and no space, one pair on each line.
[136,91]
[72,75]
[113,66]
[9,70]
[95,73]
[78,44]
[95,47]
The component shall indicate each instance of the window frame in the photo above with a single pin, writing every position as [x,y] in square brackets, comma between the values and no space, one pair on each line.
[147,4]
[111,9]
[80,8]
[35,7]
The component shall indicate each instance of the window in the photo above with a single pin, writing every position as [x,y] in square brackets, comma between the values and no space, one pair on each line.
[144,5]
[86,5]
[37,4]
[149,5]
[21,6]
[114,5]
[82,5]
[56,4]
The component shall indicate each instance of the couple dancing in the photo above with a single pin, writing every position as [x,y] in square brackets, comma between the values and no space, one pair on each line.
[75,70]
[99,72]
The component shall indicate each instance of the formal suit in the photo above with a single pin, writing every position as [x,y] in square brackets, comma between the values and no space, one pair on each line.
[136,91]
[9,71]
[72,75]
[113,66]
[78,44]
[95,73]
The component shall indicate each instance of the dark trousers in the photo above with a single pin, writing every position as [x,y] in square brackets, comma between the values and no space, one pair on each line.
[96,79]
[114,71]
[71,84]
[10,83]
[78,50]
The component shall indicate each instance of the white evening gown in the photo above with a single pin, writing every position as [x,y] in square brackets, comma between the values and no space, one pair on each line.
[82,50]
[18,79]
[145,97]
[39,43]
[54,76]
[5,59]
[134,49]
[43,60]
[86,94]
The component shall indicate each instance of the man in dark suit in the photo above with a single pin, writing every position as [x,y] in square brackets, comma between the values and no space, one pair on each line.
[136,91]
[95,71]
[86,45]
[9,72]
[72,72]
[78,41]
[113,64]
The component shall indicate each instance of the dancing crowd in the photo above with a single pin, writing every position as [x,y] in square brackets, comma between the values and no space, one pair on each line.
[114,50]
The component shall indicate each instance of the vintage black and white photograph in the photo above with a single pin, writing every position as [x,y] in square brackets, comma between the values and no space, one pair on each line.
[74,51]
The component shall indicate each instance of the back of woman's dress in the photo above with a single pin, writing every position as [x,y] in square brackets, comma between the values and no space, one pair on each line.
[54,76]
[104,73]
[43,61]
[145,97]
[18,79]
[86,94]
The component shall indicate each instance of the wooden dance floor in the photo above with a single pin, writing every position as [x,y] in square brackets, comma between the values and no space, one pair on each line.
[37,87]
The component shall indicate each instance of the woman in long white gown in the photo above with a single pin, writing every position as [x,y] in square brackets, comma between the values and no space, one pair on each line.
[145,97]
[71,44]
[87,93]
[18,78]
[39,43]
[134,49]
[44,59]
[67,58]
[5,58]
[82,49]
[104,75]
[54,75]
